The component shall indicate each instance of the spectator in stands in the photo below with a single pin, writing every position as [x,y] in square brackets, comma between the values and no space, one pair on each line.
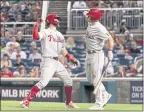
[34,72]
[121,71]
[16,74]
[29,6]
[115,28]
[119,4]
[18,61]
[6,72]
[93,3]
[19,38]
[3,48]
[34,54]
[18,52]
[10,50]
[6,61]
[131,71]
[19,18]
[126,3]
[101,4]
[107,3]
[123,28]
[33,44]
[128,55]
[134,48]
[139,3]
[4,17]
[121,50]
[14,9]
[22,72]
[38,7]
[70,43]
[5,6]
[6,37]
[79,5]
[13,41]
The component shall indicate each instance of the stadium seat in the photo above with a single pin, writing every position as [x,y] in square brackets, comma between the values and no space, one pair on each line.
[120,56]
[13,69]
[124,61]
[80,56]
[24,48]
[37,61]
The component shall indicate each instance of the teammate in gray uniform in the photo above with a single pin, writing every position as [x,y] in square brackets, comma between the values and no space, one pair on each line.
[96,35]
[52,45]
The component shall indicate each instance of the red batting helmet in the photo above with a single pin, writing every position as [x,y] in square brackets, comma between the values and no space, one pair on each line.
[51,18]
[94,13]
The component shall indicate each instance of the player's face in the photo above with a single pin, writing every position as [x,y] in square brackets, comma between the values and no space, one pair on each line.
[89,19]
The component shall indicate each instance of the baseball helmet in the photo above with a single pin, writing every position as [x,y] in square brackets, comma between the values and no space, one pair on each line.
[94,13]
[51,18]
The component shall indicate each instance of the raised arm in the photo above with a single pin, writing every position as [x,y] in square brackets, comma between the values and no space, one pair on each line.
[35,29]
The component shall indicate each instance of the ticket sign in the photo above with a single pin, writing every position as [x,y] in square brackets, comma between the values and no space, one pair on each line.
[136,92]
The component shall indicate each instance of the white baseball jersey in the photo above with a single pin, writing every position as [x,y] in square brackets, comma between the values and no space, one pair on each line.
[51,42]
[95,36]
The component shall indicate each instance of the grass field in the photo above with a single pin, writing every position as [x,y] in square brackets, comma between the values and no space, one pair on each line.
[14,105]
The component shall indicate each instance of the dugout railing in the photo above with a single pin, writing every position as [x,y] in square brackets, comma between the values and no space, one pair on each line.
[27,27]
[110,16]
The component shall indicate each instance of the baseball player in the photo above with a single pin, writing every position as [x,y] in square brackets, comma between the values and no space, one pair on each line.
[52,45]
[95,37]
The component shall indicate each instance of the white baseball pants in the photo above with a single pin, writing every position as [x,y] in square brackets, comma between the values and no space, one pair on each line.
[49,67]
[94,65]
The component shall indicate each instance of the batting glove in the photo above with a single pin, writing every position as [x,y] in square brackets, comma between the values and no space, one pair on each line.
[71,59]
[110,55]
[74,62]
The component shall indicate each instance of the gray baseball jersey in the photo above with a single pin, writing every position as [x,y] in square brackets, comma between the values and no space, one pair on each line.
[95,36]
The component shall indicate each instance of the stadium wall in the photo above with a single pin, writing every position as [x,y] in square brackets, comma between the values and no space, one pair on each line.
[123,90]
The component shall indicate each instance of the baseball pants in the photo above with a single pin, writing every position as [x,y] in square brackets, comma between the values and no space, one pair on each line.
[94,65]
[49,67]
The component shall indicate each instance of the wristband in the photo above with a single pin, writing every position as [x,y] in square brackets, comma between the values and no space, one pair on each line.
[69,57]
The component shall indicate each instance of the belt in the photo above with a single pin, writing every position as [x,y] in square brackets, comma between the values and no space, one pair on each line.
[55,58]
[93,51]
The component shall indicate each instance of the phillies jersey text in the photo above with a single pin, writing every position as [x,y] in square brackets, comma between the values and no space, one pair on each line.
[51,42]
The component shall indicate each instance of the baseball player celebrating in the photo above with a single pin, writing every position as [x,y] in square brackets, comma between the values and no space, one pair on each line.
[96,35]
[52,45]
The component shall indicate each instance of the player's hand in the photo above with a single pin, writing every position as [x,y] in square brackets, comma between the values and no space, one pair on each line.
[39,21]
[110,55]
[74,62]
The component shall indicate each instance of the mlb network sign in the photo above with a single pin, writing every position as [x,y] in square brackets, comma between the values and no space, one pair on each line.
[48,94]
